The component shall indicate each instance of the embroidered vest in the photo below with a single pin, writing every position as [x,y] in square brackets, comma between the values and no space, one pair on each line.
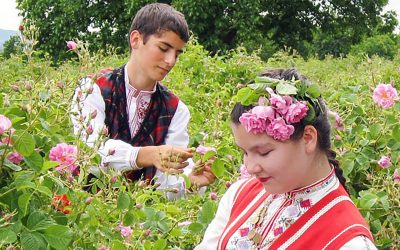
[315,229]
[154,127]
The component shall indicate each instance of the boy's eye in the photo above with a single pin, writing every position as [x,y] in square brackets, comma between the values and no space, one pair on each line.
[163,49]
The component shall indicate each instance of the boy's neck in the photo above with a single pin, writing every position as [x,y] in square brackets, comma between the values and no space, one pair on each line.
[137,80]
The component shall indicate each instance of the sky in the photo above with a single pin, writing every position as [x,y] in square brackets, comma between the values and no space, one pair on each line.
[10,20]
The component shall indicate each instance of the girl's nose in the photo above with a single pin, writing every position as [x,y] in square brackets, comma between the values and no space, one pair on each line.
[252,165]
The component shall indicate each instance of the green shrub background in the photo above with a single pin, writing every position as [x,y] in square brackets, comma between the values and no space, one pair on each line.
[36,97]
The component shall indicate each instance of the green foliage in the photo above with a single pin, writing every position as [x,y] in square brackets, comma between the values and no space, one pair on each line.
[36,97]
[12,46]
[309,27]
[386,46]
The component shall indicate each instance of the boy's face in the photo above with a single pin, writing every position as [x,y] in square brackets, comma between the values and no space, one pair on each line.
[154,58]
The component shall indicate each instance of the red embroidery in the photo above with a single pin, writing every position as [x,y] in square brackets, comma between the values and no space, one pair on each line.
[244,231]
[305,203]
[278,231]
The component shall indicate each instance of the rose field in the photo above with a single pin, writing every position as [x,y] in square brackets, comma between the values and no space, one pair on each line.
[45,202]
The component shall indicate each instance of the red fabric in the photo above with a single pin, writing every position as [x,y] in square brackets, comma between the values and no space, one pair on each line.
[342,228]
[336,219]
[246,195]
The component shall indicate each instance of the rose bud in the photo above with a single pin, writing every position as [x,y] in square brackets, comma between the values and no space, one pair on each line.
[213,196]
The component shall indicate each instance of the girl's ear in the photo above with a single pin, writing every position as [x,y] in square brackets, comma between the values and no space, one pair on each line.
[310,138]
[135,38]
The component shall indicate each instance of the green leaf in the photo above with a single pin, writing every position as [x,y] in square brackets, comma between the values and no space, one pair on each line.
[260,87]
[45,190]
[34,161]
[117,245]
[129,218]
[208,155]
[368,199]
[310,117]
[38,221]
[375,130]
[218,168]
[314,91]
[23,201]
[396,133]
[58,236]
[48,165]
[207,212]
[24,143]
[123,201]
[160,244]
[195,227]
[32,241]
[12,166]
[172,209]
[7,236]
[246,96]
[284,88]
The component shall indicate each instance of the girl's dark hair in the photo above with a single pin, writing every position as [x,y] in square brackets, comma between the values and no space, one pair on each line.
[156,18]
[321,123]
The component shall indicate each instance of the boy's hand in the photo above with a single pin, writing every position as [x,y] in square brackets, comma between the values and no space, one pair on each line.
[166,158]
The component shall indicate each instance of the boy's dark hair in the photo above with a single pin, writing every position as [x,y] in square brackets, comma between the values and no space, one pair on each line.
[321,123]
[155,18]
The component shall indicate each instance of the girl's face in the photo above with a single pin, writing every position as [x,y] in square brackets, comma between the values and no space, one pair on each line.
[280,166]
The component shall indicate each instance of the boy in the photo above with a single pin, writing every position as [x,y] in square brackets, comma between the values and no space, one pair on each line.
[147,123]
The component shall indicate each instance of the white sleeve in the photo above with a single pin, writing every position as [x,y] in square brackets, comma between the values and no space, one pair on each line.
[177,135]
[83,105]
[359,243]
[217,225]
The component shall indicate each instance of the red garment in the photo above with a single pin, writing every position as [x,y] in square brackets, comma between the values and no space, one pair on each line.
[314,230]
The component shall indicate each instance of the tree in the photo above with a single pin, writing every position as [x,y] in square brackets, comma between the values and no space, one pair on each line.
[308,26]
[100,23]
[12,46]
[288,23]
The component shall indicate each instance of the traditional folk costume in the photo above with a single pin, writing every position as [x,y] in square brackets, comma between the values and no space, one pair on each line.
[319,216]
[133,118]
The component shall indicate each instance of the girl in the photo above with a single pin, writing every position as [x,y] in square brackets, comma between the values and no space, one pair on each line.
[296,197]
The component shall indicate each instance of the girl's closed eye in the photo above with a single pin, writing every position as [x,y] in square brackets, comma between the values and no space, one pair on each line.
[265,153]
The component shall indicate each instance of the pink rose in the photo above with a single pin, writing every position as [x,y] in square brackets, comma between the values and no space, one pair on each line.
[5,124]
[384,95]
[202,149]
[338,121]
[71,45]
[264,112]
[281,103]
[66,155]
[15,158]
[396,176]
[125,231]
[384,162]
[296,112]
[244,174]
[279,130]
[252,124]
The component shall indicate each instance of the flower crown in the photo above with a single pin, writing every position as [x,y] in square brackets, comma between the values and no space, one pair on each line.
[279,104]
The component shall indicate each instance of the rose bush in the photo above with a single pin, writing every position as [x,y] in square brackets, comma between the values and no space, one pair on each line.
[47,202]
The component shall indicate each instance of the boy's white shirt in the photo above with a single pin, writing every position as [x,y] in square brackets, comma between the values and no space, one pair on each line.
[125,155]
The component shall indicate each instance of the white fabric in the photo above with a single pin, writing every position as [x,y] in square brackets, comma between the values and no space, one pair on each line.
[124,155]
[279,208]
